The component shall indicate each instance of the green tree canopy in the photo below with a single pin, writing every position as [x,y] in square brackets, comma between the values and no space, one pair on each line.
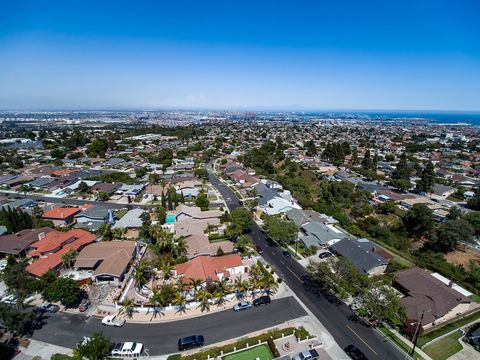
[419,220]
[426,178]
[450,233]
[97,348]
[65,290]
[282,231]
[202,201]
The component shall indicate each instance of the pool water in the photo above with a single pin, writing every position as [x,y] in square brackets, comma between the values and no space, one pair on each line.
[170,219]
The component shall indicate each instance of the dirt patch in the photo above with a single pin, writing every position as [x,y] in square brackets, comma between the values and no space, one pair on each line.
[463,256]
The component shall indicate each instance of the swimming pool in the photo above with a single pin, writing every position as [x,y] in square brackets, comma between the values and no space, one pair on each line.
[170,219]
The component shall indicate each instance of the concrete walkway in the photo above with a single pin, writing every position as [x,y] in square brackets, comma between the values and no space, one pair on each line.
[410,344]
[41,349]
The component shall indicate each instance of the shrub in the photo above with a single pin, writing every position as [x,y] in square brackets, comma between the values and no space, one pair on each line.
[241,344]
[273,348]
[174,357]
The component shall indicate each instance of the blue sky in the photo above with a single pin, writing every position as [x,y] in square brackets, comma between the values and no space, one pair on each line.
[313,55]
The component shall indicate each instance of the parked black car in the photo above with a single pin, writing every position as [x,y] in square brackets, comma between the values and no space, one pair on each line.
[325,254]
[190,342]
[355,353]
[262,300]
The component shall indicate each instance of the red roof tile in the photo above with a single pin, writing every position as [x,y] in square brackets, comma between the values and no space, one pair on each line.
[60,213]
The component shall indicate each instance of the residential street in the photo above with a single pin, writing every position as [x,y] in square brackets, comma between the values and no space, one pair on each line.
[337,318]
[161,338]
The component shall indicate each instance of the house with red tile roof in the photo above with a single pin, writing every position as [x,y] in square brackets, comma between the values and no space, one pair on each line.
[62,216]
[48,251]
[19,244]
[210,269]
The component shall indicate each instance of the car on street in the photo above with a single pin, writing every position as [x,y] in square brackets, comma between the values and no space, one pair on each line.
[243,305]
[113,320]
[190,342]
[286,254]
[84,305]
[259,249]
[127,349]
[325,254]
[355,353]
[262,300]
[49,307]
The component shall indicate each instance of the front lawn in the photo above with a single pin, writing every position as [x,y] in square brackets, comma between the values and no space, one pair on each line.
[429,336]
[445,347]
[260,352]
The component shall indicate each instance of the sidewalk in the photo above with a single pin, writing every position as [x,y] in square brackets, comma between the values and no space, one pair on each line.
[410,344]
[43,350]
[175,315]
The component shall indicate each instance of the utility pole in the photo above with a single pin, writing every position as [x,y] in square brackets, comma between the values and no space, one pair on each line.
[417,333]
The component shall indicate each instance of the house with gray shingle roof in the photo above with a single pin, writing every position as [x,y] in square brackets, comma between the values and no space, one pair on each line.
[363,254]
[318,234]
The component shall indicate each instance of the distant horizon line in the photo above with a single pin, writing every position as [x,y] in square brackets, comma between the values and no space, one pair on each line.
[237,109]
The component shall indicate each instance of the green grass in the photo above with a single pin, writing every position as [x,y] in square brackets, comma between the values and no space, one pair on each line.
[429,336]
[60,357]
[120,213]
[261,352]
[445,347]
[476,298]
[405,347]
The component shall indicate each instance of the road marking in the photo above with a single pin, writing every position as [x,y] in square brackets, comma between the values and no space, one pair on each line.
[294,274]
[273,252]
[362,340]
[282,262]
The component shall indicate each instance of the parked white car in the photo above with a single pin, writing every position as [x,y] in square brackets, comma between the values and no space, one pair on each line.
[127,349]
[113,320]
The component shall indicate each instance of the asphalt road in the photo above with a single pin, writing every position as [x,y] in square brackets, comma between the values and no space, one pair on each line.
[161,338]
[337,318]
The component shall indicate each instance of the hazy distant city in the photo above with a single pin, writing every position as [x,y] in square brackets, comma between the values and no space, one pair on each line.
[239,180]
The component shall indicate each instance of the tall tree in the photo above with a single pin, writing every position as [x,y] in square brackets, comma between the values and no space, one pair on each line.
[202,201]
[450,233]
[419,220]
[426,178]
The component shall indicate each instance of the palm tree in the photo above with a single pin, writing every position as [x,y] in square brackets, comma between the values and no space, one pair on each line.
[156,301]
[241,287]
[180,301]
[143,272]
[127,307]
[203,297]
[253,285]
[68,259]
[106,232]
[196,284]
[269,285]
[224,287]
[167,268]
[180,247]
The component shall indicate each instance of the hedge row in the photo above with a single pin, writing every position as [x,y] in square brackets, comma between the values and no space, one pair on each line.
[241,344]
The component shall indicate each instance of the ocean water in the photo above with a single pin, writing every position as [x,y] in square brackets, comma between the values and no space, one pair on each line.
[470,118]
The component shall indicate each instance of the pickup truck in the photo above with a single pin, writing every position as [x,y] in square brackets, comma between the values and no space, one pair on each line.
[307,355]
[127,349]
[113,320]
